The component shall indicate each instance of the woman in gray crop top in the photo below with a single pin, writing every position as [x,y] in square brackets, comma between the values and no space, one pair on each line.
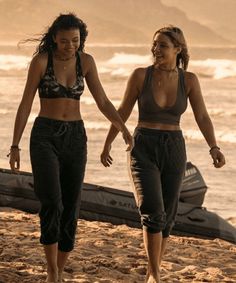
[58,142]
[158,157]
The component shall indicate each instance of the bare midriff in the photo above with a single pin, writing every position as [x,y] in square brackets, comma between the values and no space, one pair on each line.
[64,109]
[158,126]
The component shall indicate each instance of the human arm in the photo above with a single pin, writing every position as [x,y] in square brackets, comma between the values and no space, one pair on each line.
[103,103]
[23,111]
[203,119]
[125,109]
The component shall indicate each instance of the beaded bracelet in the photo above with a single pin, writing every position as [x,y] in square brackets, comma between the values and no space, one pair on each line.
[13,147]
[214,147]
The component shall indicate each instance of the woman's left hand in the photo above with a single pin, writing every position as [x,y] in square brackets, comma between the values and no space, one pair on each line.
[218,158]
[105,157]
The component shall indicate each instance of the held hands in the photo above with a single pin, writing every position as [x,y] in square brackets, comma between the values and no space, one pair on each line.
[105,157]
[217,156]
[127,138]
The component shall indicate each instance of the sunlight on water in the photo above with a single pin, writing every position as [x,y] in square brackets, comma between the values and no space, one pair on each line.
[217,79]
[221,136]
[122,64]
[217,69]
[127,59]
[11,62]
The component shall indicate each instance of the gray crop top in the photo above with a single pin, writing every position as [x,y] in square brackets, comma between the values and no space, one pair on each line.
[150,111]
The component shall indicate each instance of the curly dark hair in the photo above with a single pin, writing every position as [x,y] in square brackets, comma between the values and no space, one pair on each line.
[62,22]
[176,36]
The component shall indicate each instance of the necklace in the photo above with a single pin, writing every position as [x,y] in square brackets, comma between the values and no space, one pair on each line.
[59,58]
[169,71]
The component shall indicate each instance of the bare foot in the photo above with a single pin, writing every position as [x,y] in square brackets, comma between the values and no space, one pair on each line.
[154,279]
[60,279]
[50,281]
[147,275]
[52,277]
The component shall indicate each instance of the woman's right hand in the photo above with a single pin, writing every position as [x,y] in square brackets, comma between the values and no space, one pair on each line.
[105,157]
[128,139]
[14,159]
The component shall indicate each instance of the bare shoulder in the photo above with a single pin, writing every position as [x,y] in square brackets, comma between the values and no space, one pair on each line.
[86,57]
[87,62]
[191,81]
[139,72]
[190,77]
[40,59]
[137,77]
[39,63]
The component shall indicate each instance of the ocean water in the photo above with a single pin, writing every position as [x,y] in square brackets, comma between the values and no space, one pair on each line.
[216,69]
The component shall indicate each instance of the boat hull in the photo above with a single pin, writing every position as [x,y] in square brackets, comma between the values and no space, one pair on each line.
[117,207]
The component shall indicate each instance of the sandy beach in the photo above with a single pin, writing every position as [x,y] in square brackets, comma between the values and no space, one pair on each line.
[107,253]
[120,39]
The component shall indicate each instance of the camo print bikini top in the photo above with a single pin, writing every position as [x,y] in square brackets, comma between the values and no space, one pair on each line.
[49,87]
